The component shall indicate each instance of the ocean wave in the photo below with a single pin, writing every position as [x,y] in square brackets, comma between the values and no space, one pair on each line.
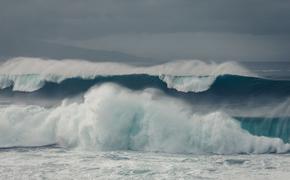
[224,86]
[188,83]
[30,74]
[267,126]
[112,117]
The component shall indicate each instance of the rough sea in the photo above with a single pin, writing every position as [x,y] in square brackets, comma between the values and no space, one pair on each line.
[75,119]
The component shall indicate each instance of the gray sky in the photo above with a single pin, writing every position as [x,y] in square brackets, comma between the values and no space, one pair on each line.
[162,29]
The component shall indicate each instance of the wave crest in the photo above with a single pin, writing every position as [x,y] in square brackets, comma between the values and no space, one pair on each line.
[30,74]
[114,118]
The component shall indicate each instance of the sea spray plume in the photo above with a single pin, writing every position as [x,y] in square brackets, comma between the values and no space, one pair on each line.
[185,76]
[115,118]
[282,109]
[82,68]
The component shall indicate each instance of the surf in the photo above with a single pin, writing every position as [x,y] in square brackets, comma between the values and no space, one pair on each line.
[185,76]
[112,117]
[175,107]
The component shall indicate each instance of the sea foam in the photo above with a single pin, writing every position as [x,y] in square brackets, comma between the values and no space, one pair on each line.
[111,117]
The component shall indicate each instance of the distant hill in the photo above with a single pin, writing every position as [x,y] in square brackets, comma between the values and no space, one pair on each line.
[30,48]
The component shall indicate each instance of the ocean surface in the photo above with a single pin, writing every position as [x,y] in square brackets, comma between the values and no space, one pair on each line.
[75,119]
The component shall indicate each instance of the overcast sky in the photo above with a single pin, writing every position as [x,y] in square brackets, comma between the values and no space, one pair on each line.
[168,29]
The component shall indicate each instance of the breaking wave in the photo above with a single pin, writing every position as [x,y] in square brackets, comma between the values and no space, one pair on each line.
[176,107]
[30,74]
[112,117]
[221,86]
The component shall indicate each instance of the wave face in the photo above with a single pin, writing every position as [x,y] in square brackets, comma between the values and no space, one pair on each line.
[224,86]
[177,107]
[115,118]
[19,74]
[271,127]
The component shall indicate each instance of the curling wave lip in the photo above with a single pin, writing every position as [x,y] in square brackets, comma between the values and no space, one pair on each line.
[185,76]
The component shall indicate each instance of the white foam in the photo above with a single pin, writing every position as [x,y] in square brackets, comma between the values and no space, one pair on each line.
[27,82]
[30,74]
[114,118]
[188,83]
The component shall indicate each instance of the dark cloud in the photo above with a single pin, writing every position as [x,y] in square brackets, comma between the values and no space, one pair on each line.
[77,20]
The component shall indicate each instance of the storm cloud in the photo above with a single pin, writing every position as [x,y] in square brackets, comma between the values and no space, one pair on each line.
[162,29]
